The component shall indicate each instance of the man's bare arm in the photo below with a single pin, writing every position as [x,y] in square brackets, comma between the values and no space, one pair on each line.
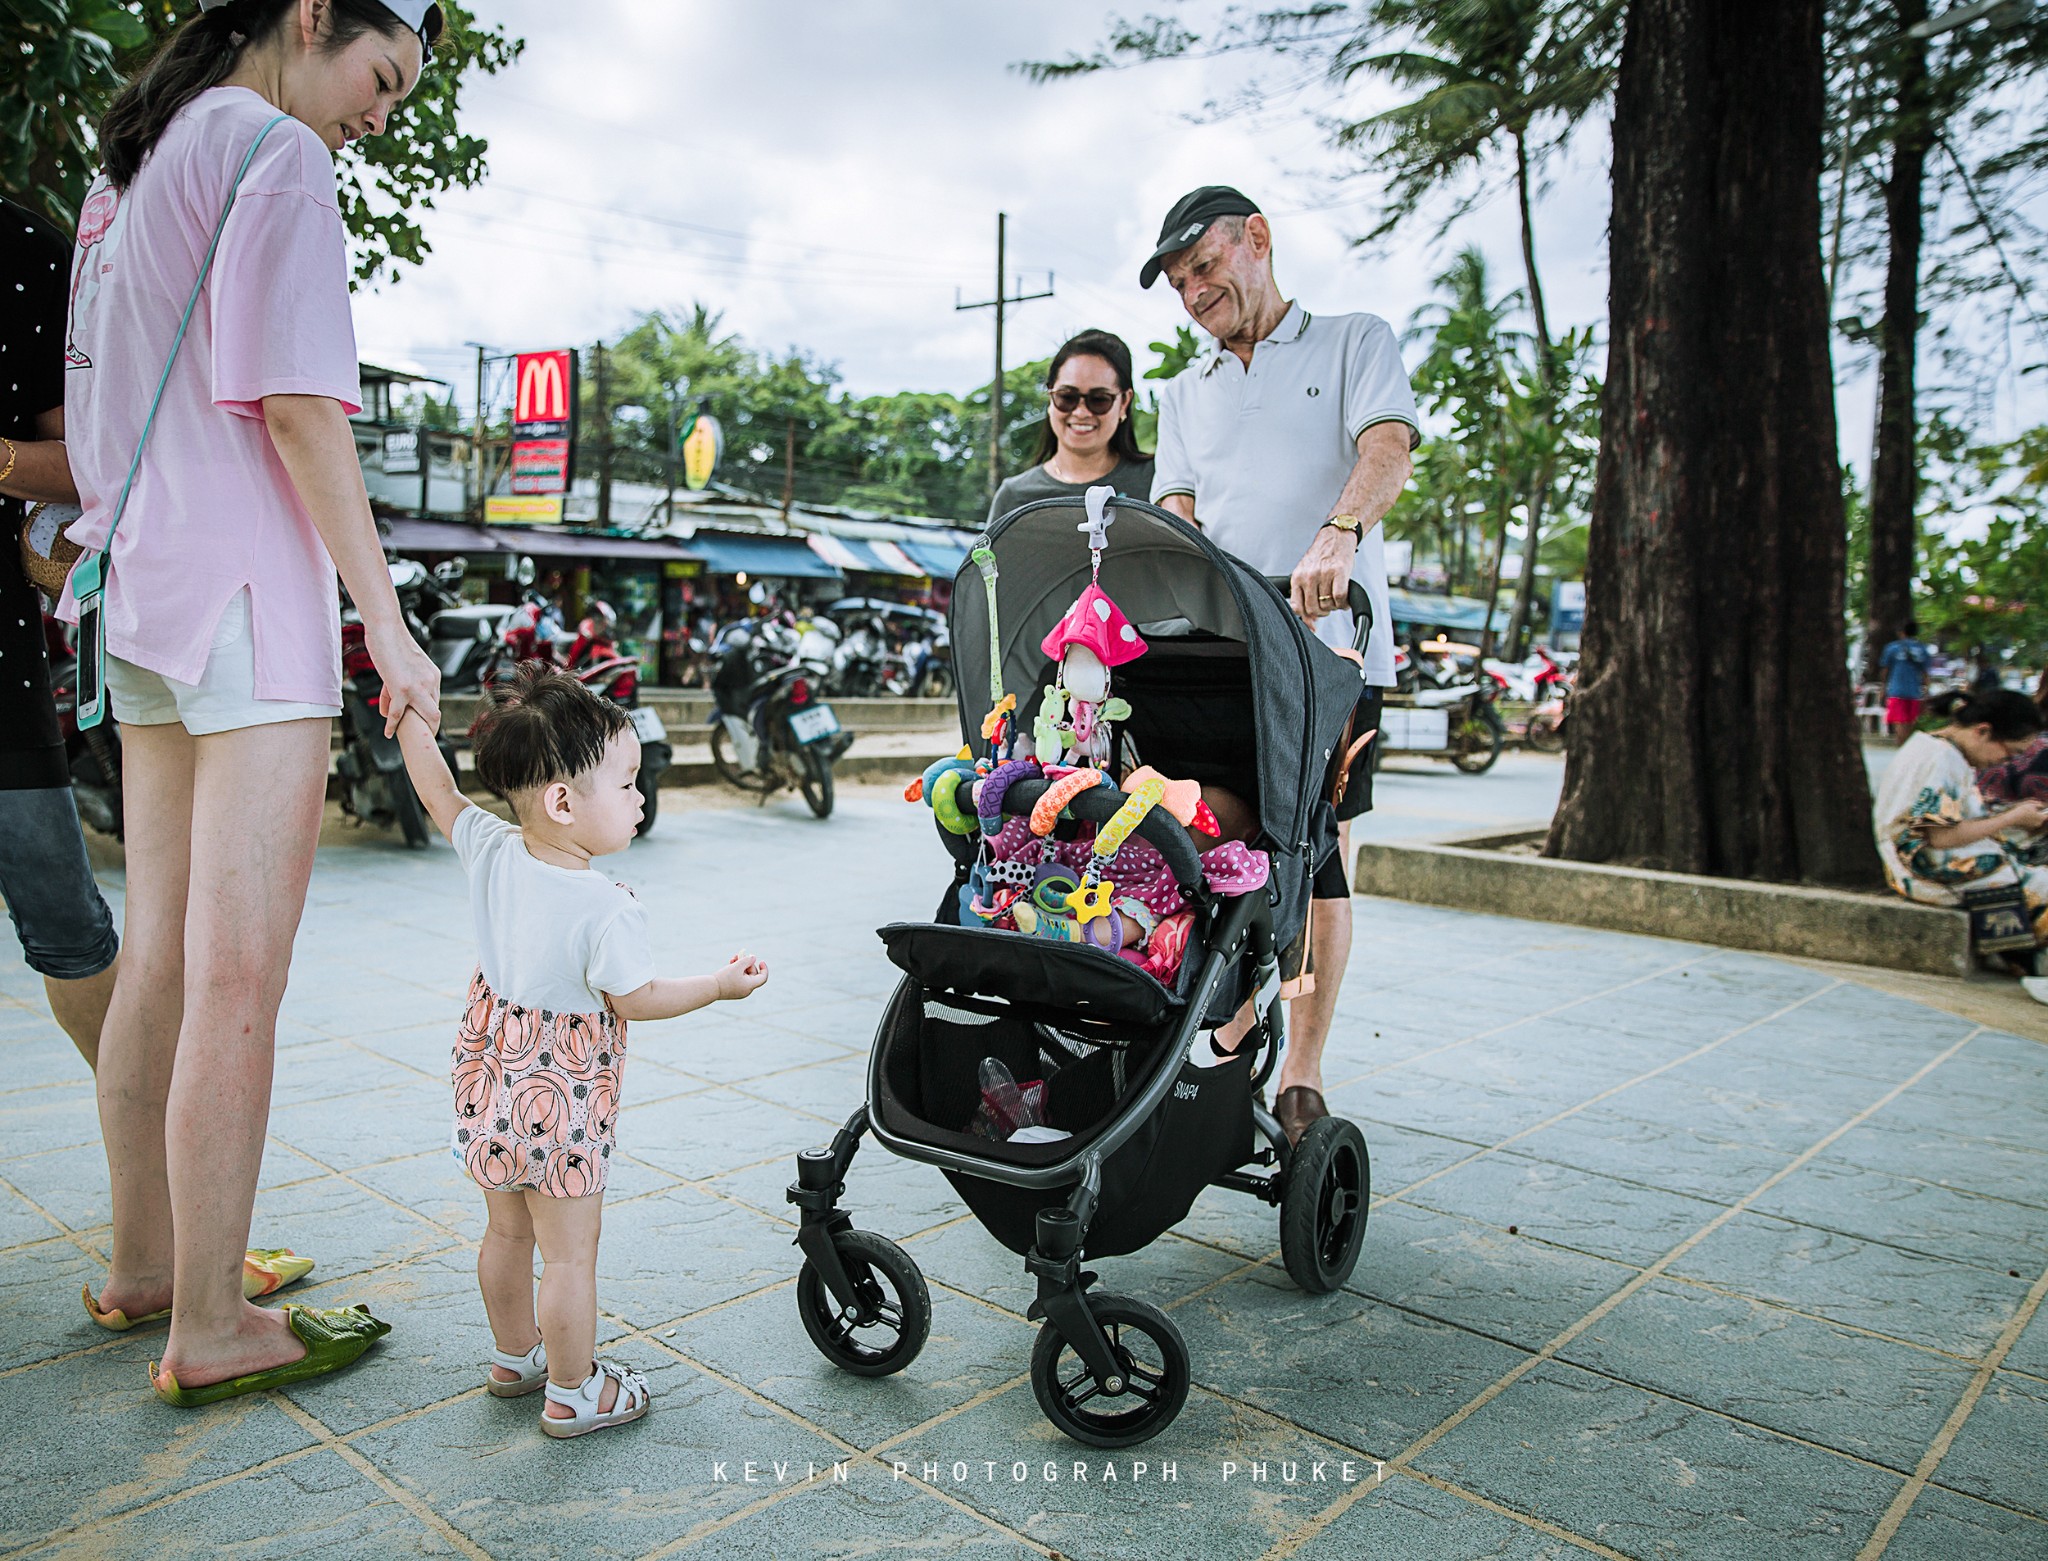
[1183,505]
[42,469]
[1321,581]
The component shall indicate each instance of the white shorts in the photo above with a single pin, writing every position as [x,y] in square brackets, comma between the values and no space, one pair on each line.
[223,700]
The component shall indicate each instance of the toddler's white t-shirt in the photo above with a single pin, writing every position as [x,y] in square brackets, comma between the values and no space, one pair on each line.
[548,937]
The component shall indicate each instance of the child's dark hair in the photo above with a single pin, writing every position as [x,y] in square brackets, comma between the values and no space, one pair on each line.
[541,726]
[2011,716]
[202,54]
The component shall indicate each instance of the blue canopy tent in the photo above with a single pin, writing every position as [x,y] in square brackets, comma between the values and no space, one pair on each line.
[1441,612]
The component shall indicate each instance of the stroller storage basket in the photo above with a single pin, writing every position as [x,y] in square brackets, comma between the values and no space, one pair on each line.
[924,1088]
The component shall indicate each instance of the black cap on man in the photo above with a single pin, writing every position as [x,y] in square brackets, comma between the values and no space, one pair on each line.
[1190,218]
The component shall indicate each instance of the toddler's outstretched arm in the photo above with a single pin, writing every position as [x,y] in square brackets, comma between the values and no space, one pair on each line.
[673,996]
[429,772]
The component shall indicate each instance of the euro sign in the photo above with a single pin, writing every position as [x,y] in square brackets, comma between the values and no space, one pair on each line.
[543,388]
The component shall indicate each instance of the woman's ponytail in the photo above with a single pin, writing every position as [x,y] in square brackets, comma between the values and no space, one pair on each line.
[2011,715]
[202,54]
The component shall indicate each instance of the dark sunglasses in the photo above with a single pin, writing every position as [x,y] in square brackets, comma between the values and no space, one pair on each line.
[1066,398]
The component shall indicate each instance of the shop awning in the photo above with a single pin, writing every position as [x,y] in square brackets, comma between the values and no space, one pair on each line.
[549,542]
[782,558]
[941,559]
[1447,612]
[408,535]
[891,559]
[839,554]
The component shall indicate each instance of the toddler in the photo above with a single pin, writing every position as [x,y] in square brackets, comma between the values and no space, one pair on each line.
[563,964]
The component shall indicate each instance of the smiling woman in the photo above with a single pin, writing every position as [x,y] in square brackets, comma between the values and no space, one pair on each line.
[220,492]
[1087,437]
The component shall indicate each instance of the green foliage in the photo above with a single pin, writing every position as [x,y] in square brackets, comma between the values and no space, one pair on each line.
[1508,435]
[1984,551]
[912,453]
[74,56]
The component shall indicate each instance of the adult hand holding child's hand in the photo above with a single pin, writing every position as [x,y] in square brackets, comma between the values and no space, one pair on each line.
[411,680]
[742,977]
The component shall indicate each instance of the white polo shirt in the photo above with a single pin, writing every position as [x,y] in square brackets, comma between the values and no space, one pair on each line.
[1264,449]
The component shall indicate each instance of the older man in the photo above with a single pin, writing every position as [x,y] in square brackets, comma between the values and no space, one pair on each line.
[1287,443]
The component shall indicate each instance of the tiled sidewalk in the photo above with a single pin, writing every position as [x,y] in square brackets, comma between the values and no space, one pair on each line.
[1676,1253]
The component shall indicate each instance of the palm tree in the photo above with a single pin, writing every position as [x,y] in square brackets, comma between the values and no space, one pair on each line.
[1525,72]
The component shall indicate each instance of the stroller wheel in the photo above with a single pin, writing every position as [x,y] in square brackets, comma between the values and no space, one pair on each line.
[1323,1210]
[892,1290]
[1155,1383]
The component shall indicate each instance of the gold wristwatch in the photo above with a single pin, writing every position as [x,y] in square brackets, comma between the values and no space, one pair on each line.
[1351,525]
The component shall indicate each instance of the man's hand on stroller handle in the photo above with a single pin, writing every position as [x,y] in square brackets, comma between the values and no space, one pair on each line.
[1321,582]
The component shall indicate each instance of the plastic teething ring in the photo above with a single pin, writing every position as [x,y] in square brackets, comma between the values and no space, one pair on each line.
[989,802]
[1127,818]
[946,804]
[1050,886]
[1058,795]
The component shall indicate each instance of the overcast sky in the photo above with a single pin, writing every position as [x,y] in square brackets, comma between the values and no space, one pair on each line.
[828,175]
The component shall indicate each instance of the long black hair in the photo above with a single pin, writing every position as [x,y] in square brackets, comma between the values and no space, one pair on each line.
[1110,348]
[2011,715]
[202,54]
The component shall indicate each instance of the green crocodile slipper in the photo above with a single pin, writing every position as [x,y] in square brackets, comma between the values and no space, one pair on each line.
[334,1338]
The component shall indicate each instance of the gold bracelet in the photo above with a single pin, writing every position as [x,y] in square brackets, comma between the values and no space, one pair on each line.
[13,455]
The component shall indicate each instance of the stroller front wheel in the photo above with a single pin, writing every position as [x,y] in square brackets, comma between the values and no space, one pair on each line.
[1323,1209]
[1144,1400]
[892,1292]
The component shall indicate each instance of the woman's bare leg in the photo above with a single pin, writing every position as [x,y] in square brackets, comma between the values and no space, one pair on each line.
[257,796]
[139,1040]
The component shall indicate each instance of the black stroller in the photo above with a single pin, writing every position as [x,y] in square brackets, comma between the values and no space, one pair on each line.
[1232,692]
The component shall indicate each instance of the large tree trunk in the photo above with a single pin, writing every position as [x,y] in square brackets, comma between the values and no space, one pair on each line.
[1894,472]
[1713,729]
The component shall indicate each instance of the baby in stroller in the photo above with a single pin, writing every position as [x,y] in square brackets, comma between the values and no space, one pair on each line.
[1101,920]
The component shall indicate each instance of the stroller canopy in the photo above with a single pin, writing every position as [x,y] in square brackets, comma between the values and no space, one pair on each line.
[1211,622]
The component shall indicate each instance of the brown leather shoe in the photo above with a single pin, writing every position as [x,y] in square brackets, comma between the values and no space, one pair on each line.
[1298,1106]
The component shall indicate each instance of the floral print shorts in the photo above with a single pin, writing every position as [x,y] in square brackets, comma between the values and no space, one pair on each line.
[536,1095]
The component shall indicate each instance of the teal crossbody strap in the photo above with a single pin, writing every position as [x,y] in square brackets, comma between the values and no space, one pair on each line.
[88,576]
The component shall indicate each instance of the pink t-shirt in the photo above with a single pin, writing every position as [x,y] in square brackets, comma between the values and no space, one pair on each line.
[213,509]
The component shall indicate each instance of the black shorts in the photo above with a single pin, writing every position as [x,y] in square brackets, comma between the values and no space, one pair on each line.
[1330,882]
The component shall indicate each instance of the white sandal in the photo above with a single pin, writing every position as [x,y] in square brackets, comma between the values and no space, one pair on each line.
[532,1368]
[633,1401]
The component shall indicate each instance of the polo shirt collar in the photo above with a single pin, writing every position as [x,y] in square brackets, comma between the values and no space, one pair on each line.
[1291,325]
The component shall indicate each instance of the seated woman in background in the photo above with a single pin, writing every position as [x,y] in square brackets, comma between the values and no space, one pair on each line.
[1934,832]
[2023,778]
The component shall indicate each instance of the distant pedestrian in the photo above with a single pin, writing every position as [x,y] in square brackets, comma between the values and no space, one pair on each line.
[1985,676]
[222,637]
[1905,663]
[1088,437]
[563,964]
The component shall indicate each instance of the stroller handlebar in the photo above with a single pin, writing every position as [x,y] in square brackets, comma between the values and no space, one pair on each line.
[1357,600]
[1099,804]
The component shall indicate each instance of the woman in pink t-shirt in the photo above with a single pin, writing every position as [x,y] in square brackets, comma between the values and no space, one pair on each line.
[221,621]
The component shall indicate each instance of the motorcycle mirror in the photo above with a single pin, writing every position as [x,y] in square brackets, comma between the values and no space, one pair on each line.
[757,593]
[523,570]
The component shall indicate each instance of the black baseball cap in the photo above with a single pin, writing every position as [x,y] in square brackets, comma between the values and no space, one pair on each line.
[1190,219]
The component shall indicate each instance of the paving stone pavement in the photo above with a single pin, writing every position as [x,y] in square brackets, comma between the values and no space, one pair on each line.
[1675,1252]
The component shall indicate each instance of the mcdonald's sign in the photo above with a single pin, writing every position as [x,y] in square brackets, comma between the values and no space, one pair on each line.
[543,422]
[545,388]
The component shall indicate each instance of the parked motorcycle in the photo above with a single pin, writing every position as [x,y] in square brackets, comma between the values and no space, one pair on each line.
[93,757]
[460,637]
[771,726]
[1547,724]
[375,788]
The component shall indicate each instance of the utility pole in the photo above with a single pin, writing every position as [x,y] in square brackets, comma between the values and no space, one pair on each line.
[604,446]
[788,468]
[995,398]
[478,463]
